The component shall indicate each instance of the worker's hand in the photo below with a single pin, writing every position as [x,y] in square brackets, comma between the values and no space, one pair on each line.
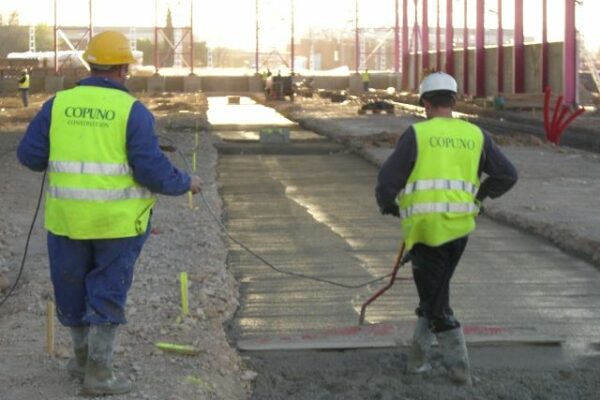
[195,184]
[390,210]
[479,203]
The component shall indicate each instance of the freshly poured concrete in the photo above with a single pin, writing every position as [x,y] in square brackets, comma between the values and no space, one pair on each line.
[316,215]
[248,113]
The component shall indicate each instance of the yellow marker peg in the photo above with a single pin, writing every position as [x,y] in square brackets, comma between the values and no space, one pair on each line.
[196,139]
[50,328]
[190,200]
[185,307]
[177,348]
[194,161]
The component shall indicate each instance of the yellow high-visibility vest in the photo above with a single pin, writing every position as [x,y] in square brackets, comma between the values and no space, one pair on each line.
[25,83]
[437,204]
[91,191]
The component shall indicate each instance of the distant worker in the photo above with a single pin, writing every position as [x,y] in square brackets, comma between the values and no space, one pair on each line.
[431,181]
[366,78]
[104,163]
[24,87]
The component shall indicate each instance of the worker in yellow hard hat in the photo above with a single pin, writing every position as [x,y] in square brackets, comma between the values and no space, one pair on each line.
[104,164]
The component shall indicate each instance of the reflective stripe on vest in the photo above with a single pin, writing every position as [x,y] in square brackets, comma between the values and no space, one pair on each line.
[439,184]
[428,208]
[76,167]
[99,194]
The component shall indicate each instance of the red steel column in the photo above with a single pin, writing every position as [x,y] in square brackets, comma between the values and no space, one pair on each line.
[466,49]
[480,50]
[405,48]
[570,55]
[438,38]
[449,38]
[425,36]
[519,50]
[397,38]
[500,58]
[544,44]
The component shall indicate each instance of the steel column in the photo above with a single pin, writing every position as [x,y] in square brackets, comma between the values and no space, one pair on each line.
[480,50]
[356,38]
[191,37]
[292,56]
[91,28]
[519,50]
[544,44]
[55,38]
[465,49]
[570,55]
[405,48]
[500,43]
[449,38]
[425,36]
[256,60]
[397,38]
[438,38]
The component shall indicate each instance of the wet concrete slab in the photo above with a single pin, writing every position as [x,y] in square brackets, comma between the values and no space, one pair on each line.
[316,215]
[223,115]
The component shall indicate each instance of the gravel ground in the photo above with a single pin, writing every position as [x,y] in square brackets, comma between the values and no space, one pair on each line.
[182,240]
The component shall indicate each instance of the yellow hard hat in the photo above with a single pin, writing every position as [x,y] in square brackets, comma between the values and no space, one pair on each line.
[109,48]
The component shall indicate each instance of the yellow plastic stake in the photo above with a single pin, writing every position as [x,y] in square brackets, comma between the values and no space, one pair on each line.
[190,200]
[185,307]
[50,328]
[177,348]
[194,161]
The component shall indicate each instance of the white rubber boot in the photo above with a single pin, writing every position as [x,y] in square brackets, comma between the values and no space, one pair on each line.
[419,350]
[456,359]
[99,376]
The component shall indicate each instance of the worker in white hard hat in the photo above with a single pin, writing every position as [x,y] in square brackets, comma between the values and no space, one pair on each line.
[104,166]
[432,182]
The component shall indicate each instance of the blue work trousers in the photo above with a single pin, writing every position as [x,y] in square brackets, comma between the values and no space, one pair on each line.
[91,278]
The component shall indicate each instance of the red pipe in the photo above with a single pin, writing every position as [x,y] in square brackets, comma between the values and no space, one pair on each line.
[449,38]
[547,95]
[371,299]
[562,127]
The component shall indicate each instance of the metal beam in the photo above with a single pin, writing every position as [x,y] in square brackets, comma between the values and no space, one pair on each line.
[465,49]
[519,50]
[500,43]
[544,44]
[480,50]
[425,36]
[397,38]
[405,48]
[449,38]
[570,55]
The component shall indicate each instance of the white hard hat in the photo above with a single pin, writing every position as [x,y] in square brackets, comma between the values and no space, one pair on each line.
[437,81]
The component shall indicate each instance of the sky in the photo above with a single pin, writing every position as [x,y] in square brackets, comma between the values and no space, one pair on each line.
[232,22]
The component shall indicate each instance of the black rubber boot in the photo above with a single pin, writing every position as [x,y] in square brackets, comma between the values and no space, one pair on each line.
[456,359]
[76,365]
[99,377]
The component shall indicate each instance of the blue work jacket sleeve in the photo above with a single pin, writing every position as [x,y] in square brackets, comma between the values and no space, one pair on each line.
[151,168]
[34,148]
